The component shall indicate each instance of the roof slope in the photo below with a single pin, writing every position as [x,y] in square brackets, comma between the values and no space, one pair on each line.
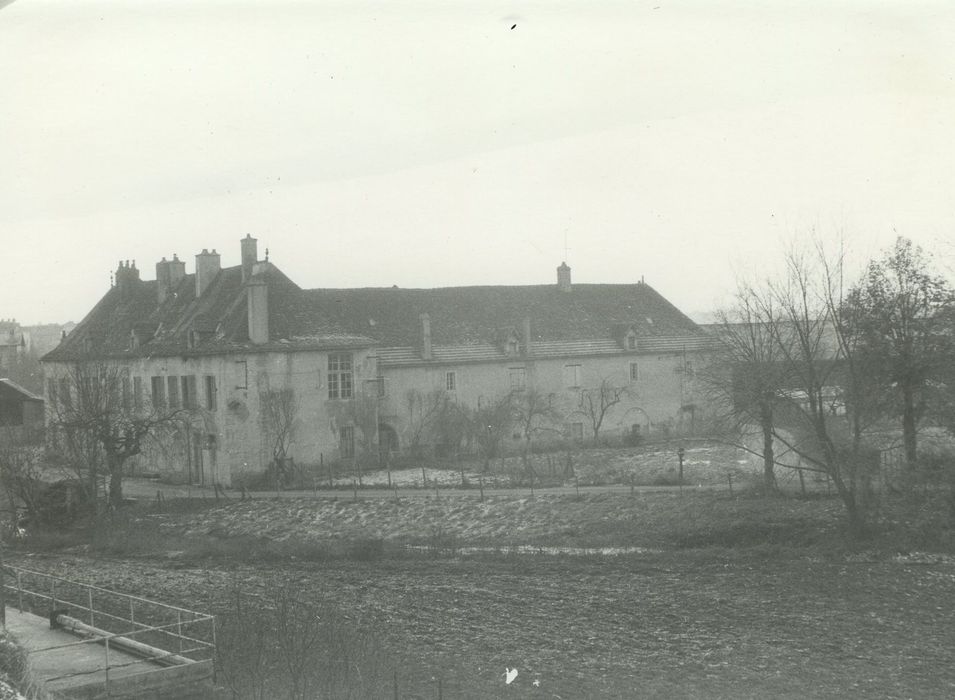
[473,315]
[10,385]
[130,322]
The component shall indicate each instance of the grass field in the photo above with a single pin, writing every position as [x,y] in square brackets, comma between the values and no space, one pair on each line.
[730,596]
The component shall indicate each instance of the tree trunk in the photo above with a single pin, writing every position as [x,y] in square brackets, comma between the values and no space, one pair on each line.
[908,428]
[769,454]
[115,482]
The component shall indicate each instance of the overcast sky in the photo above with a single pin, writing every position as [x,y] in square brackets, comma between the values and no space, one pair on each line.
[455,143]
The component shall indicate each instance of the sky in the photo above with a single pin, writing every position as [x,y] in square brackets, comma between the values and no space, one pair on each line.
[434,143]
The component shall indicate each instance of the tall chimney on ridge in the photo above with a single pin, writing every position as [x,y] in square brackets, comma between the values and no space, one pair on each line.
[563,277]
[207,267]
[250,255]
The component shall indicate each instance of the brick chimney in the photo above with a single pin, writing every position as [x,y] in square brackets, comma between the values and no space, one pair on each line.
[527,337]
[250,255]
[207,267]
[162,279]
[563,277]
[426,350]
[258,305]
[127,276]
[169,274]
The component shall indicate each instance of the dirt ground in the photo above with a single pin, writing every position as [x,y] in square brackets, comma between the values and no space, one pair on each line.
[677,624]
[729,597]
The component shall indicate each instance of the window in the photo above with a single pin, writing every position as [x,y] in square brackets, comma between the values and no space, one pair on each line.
[127,395]
[209,384]
[242,374]
[450,381]
[340,377]
[381,387]
[572,374]
[137,394]
[346,441]
[634,372]
[515,377]
[189,397]
[172,392]
[631,342]
[159,392]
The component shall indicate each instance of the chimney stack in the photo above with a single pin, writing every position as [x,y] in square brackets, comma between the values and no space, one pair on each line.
[126,276]
[169,274]
[258,305]
[527,336]
[162,279]
[207,267]
[563,277]
[425,336]
[250,255]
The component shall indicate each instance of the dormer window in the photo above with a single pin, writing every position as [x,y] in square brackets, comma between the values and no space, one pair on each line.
[512,346]
[631,342]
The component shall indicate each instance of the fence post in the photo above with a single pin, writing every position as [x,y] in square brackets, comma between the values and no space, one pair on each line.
[19,592]
[132,618]
[89,598]
[802,483]
[53,593]
[106,640]
[179,628]
[215,650]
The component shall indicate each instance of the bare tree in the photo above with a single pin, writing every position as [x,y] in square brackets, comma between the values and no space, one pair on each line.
[594,404]
[489,423]
[817,350]
[451,426]
[279,418]
[95,418]
[533,413]
[746,377]
[20,472]
[422,411]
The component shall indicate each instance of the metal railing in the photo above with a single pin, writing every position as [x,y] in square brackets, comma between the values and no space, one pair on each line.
[148,632]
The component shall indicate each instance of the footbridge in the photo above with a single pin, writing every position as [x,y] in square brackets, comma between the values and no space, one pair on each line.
[87,642]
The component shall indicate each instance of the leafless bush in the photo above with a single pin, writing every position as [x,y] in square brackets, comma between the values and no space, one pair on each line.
[291,647]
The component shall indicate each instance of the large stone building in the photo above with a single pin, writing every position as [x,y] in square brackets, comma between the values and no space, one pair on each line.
[225,342]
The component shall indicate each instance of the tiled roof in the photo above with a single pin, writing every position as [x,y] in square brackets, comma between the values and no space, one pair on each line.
[219,317]
[475,315]
[467,323]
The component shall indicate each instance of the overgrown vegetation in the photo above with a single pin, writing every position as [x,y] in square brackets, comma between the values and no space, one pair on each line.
[833,370]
